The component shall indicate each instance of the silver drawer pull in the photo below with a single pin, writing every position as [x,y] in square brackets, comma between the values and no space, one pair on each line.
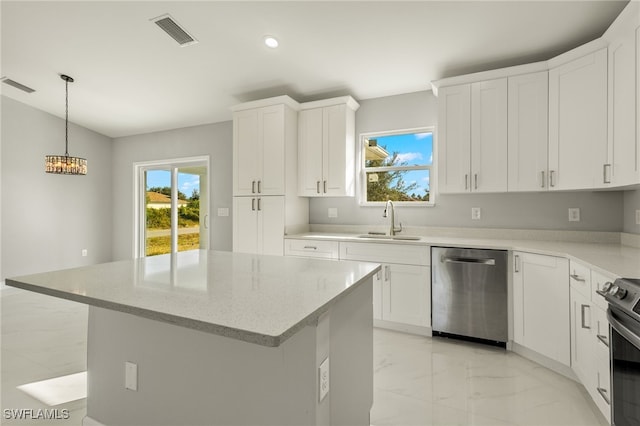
[603,394]
[311,247]
[578,278]
[603,339]
[468,260]
[583,323]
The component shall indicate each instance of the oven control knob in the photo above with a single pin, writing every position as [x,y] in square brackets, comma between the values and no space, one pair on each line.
[619,293]
[607,286]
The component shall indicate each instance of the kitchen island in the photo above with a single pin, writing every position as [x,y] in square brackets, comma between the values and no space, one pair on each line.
[206,337]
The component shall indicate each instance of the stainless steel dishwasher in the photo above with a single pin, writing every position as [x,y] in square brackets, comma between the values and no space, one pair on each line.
[469,294]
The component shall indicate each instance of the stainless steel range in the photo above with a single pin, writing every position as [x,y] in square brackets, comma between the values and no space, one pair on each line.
[623,296]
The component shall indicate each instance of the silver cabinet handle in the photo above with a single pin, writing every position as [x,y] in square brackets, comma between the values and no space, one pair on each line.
[542,179]
[475,179]
[578,278]
[606,177]
[603,339]
[582,315]
[259,185]
[387,272]
[253,187]
[259,206]
[325,186]
[468,260]
[318,186]
[253,204]
[466,182]
[516,263]
[551,174]
[311,247]
[603,394]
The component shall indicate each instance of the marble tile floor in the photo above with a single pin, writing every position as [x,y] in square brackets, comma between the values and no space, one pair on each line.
[417,380]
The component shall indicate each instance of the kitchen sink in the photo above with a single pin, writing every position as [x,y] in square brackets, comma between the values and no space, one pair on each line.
[389,237]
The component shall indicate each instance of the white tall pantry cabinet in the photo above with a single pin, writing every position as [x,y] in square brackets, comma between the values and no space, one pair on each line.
[265,150]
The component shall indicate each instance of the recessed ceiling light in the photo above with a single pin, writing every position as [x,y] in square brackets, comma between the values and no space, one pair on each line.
[271,42]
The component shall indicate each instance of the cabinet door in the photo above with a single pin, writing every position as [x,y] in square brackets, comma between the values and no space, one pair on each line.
[622,167]
[270,233]
[245,225]
[528,135]
[582,344]
[271,151]
[541,298]
[338,159]
[405,294]
[310,152]
[245,152]
[454,139]
[489,136]
[578,119]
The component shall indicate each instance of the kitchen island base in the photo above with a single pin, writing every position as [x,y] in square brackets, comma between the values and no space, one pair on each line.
[191,377]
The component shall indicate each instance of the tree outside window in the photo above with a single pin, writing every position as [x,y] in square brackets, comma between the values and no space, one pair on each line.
[397,166]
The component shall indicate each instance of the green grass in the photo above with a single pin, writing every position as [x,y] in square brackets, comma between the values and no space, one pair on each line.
[162,245]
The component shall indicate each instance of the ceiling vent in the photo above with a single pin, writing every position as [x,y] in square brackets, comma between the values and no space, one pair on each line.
[17,85]
[171,27]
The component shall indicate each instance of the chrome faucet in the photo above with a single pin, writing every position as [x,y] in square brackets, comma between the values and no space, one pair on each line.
[392,218]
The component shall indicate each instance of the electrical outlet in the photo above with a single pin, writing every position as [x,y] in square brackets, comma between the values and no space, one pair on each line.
[637,217]
[574,214]
[323,379]
[85,252]
[332,212]
[475,213]
[131,376]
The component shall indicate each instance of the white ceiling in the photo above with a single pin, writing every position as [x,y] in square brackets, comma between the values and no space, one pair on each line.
[131,78]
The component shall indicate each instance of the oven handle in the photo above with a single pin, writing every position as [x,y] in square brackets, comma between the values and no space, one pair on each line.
[629,335]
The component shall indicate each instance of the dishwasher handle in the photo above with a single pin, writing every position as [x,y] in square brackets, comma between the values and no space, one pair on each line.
[473,260]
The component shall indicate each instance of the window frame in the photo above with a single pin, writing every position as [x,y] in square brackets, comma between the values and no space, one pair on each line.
[362,169]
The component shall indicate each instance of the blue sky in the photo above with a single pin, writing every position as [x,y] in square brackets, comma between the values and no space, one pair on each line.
[161,178]
[414,149]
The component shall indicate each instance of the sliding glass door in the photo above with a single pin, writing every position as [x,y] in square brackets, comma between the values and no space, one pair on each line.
[172,213]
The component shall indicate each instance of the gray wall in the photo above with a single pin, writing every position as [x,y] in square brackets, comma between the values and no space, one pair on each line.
[631,204]
[214,140]
[600,211]
[48,219]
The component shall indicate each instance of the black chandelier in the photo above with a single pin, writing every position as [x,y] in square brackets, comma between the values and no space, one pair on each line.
[64,164]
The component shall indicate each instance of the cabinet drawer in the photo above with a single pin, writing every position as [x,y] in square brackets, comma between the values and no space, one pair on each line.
[386,253]
[580,278]
[602,393]
[600,325]
[311,248]
[597,281]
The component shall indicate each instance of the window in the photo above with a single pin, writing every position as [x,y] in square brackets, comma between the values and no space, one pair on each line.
[397,166]
[172,201]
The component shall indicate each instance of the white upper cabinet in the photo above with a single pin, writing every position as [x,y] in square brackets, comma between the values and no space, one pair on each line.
[578,123]
[528,115]
[622,166]
[454,138]
[326,148]
[259,151]
[472,132]
[489,136]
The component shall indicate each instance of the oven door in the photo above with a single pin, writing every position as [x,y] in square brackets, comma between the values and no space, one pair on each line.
[625,368]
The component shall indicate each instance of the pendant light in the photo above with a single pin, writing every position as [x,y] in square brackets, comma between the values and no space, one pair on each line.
[64,164]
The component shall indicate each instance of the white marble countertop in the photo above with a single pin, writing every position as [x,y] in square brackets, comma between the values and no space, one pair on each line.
[608,258]
[258,299]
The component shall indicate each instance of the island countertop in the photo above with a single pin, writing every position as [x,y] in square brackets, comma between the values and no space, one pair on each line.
[254,298]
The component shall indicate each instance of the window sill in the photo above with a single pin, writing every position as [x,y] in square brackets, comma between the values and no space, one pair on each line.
[382,204]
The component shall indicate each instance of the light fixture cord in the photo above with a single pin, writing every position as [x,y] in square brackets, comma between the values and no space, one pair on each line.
[66,119]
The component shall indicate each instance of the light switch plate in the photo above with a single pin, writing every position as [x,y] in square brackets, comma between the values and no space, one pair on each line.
[85,252]
[574,214]
[637,217]
[476,213]
[323,379]
[332,212]
[131,376]
[223,211]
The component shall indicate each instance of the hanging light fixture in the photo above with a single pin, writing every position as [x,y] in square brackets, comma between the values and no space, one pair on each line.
[64,164]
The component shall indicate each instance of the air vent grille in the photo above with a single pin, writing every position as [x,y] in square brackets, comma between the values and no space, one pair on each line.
[17,85]
[171,27]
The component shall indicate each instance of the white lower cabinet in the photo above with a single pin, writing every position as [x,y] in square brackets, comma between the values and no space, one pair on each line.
[258,225]
[540,301]
[406,294]
[590,335]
